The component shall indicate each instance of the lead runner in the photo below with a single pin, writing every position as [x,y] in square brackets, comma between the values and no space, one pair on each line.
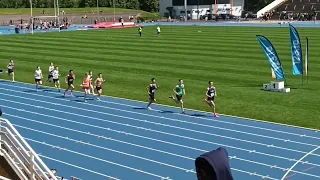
[211,93]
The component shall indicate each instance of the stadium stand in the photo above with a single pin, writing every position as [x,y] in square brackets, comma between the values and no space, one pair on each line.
[18,159]
[6,170]
[295,10]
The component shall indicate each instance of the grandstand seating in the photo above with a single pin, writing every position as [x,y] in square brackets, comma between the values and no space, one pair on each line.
[297,10]
[17,153]
[6,170]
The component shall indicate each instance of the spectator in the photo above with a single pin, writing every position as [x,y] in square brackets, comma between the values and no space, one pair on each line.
[214,165]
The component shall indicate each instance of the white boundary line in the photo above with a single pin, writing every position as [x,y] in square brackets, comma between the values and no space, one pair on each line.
[241,118]
[285,175]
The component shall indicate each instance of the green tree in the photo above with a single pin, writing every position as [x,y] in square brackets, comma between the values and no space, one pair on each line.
[42,4]
[149,5]
[67,3]
[133,4]
[105,3]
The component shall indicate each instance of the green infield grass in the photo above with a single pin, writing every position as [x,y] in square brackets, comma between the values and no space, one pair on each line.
[229,56]
[50,11]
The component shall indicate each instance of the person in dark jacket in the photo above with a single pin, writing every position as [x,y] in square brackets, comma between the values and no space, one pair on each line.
[214,165]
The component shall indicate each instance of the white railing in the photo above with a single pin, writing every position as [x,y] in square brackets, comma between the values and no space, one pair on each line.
[20,156]
[270,7]
[4,178]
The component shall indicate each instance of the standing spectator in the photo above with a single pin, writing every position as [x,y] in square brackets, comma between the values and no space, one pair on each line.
[214,165]
[158,31]
[140,31]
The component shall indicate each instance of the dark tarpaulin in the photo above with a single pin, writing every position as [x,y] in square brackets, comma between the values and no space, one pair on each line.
[214,165]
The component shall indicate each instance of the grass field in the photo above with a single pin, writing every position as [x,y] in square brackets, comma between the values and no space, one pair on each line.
[50,11]
[229,56]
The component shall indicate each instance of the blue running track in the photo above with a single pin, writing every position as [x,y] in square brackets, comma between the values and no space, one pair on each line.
[119,139]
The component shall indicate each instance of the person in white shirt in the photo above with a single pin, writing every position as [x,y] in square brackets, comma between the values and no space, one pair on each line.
[50,75]
[91,79]
[158,31]
[11,69]
[38,77]
[55,77]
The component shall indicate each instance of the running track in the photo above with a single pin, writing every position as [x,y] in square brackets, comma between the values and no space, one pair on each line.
[120,139]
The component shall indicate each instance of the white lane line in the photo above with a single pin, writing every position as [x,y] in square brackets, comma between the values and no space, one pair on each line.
[294,165]
[160,132]
[93,157]
[165,125]
[144,147]
[226,122]
[78,167]
[171,119]
[96,135]
[211,120]
[107,149]
[203,112]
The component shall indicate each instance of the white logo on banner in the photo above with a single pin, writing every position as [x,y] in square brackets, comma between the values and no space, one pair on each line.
[296,52]
[274,61]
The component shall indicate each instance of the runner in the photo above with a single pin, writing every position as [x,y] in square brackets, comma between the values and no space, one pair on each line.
[55,76]
[158,31]
[91,84]
[98,84]
[211,93]
[38,77]
[11,69]
[151,90]
[50,75]
[179,90]
[140,31]
[86,84]
[69,80]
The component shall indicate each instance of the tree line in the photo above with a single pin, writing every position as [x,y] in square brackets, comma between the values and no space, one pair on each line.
[145,5]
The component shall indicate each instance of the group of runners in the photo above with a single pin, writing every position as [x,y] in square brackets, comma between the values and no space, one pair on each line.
[180,91]
[89,86]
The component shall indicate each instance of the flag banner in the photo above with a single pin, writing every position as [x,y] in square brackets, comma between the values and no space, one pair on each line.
[272,74]
[272,56]
[296,52]
[307,56]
